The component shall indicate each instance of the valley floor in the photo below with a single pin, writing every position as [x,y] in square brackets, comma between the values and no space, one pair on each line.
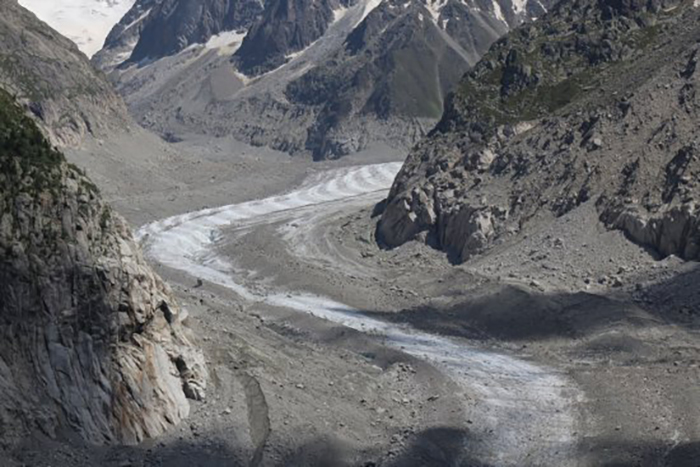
[565,346]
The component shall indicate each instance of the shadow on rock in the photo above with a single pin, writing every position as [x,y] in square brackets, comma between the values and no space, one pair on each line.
[438,447]
[675,300]
[434,447]
[324,452]
[517,313]
[606,453]
[39,451]
[188,454]
[514,313]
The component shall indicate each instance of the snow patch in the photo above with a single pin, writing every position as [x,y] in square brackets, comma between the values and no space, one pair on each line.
[696,3]
[85,22]
[244,78]
[519,6]
[137,20]
[339,13]
[498,12]
[369,7]
[434,8]
[293,55]
[226,42]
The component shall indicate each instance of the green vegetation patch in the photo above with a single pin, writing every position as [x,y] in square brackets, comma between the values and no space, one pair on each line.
[27,160]
[541,68]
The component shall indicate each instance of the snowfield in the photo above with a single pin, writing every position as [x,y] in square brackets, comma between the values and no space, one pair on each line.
[85,22]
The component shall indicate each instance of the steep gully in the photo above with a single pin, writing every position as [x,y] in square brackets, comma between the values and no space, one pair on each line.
[526,411]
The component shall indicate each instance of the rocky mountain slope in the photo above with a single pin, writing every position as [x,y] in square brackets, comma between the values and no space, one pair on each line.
[54,80]
[93,341]
[327,78]
[595,103]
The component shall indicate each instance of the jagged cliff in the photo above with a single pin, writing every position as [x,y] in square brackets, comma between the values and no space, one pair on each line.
[286,26]
[92,339]
[54,80]
[595,102]
[172,25]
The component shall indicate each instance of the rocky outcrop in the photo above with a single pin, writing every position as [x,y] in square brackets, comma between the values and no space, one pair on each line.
[667,220]
[673,230]
[92,340]
[54,80]
[596,102]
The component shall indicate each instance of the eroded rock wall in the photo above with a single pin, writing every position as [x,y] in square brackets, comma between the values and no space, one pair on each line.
[92,340]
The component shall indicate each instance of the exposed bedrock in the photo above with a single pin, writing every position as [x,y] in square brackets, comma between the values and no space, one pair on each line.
[92,340]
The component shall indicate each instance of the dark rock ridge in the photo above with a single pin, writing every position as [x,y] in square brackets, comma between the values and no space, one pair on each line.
[124,36]
[54,80]
[596,102]
[173,25]
[326,78]
[153,29]
[91,339]
[286,26]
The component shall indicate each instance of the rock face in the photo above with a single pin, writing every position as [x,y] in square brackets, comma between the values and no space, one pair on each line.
[173,25]
[326,78]
[595,102]
[287,26]
[54,80]
[92,340]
